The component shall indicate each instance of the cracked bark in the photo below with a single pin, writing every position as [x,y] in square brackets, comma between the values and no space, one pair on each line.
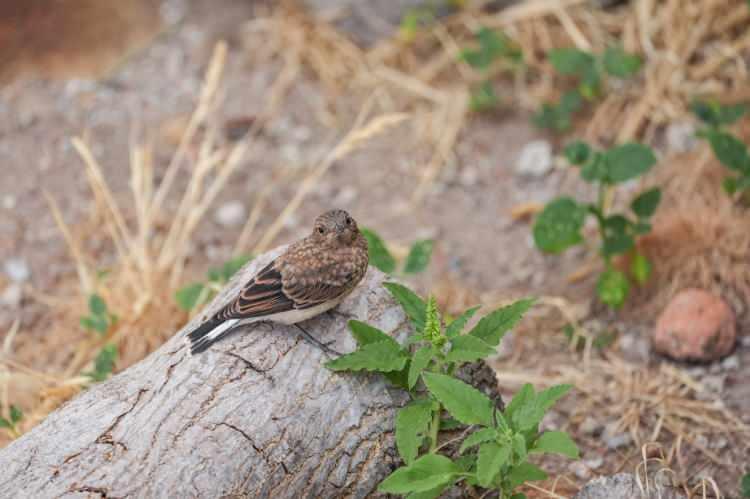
[257,415]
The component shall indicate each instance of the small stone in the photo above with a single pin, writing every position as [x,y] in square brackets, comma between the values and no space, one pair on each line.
[9,202]
[579,469]
[469,176]
[745,341]
[17,269]
[11,295]
[713,386]
[681,137]
[230,214]
[695,325]
[614,438]
[634,347]
[594,463]
[701,441]
[719,443]
[535,159]
[590,426]
[731,363]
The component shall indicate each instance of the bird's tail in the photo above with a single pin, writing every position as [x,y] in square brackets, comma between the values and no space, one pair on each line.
[209,333]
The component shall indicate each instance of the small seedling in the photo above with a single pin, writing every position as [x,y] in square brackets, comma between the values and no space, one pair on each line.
[727,148]
[745,485]
[10,424]
[196,294]
[496,444]
[99,319]
[559,225]
[589,71]
[103,364]
[416,261]
[494,51]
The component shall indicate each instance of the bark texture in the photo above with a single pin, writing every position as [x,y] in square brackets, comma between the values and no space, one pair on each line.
[257,415]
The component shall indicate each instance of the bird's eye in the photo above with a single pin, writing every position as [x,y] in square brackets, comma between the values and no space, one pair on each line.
[349,221]
[321,230]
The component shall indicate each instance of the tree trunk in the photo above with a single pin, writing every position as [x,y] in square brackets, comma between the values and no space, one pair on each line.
[257,415]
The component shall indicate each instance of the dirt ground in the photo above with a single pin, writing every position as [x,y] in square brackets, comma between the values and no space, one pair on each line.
[482,253]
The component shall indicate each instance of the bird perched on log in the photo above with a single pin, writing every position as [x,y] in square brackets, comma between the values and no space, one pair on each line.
[312,276]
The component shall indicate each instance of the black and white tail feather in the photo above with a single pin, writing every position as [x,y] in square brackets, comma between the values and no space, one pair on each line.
[209,333]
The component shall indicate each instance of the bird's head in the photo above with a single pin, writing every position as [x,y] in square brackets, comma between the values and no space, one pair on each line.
[336,227]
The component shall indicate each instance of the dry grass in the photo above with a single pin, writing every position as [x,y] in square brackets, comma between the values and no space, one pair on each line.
[151,246]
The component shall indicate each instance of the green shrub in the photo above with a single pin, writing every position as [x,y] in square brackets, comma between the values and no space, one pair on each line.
[416,261]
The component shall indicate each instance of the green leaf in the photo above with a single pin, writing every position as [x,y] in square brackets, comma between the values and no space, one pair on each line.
[419,257]
[483,97]
[616,224]
[640,268]
[412,423]
[570,102]
[419,362]
[729,150]
[448,424]
[746,485]
[558,442]
[629,161]
[228,269]
[16,414]
[645,204]
[571,61]
[4,423]
[497,44]
[380,257]
[490,460]
[457,325]
[547,398]
[641,227]
[559,225]
[577,152]
[382,356]
[524,397]
[619,63]
[729,185]
[494,325]
[617,244]
[366,334]
[613,288]
[463,402]
[478,437]
[467,348]
[426,473]
[519,446]
[188,296]
[519,495]
[104,363]
[714,114]
[429,494]
[412,304]
[596,169]
[525,472]
[558,117]
[97,305]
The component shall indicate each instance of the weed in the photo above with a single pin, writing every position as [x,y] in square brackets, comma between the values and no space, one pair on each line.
[10,424]
[590,72]
[559,225]
[745,485]
[494,444]
[99,319]
[196,294]
[416,261]
[104,363]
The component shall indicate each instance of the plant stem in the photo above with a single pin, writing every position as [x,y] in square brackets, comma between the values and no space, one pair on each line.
[435,428]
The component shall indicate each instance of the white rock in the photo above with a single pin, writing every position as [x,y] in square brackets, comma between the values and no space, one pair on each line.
[594,462]
[590,426]
[9,202]
[681,137]
[745,341]
[731,363]
[11,295]
[17,269]
[615,438]
[535,159]
[231,214]
[580,470]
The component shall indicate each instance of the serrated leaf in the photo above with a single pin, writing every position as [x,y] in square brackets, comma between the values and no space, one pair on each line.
[547,398]
[571,61]
[457,325]
[559,225]
[467,348]
[419,362]
[426,473]
[729,150]
[619,63]
[613,288]
[412,304]
[645,204]
[478,437]
[97,305]
[366,334]
[640,268]
[558,442]
[628,161]
[494,325]
[412,422]
[463,402]
[380,257]
[419,257]
[490,459]
[577,152]
[382,356]
[525,472]
[188,297]
[16,415]
[523,397]
[519,446]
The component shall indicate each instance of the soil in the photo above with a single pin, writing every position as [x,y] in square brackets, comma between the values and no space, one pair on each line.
[150,79]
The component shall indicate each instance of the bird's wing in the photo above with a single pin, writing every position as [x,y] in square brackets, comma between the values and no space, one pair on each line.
[263,295]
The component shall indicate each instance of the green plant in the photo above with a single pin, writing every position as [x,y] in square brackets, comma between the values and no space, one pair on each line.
[103,364]
[196,294]
[495,50]
[495,444]
[589,71]
[559,225]
[745,485]
[10,424]
[99,319]
[727,148]
[416,261]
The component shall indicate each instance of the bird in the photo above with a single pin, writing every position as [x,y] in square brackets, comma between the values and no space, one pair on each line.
[312,276]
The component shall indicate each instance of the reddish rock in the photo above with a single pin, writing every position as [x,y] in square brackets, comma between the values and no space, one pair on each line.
[695,325]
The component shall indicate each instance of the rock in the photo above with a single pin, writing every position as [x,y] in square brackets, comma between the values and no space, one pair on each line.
[579,469]
[231,214]
[695,325]
[713,386]
[17,269]
[9,202]
[590,426]
[681,137]
[614,438]
[634,347]
[624,486]
[535,159]
[745,341]
[594,462]
[731,363]
[11,295]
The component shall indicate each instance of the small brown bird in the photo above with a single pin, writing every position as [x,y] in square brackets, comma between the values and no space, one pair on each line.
[311,277]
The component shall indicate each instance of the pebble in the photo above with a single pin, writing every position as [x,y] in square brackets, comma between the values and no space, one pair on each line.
[9,202]
[11,295]
[535,159]
[681,137]
[590,426]
[231,214]
[17,269]
[615,438]
[713,386]
[634,347]
[594,462]
[731,363]
[579,469]
[745,341]
[469,176]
